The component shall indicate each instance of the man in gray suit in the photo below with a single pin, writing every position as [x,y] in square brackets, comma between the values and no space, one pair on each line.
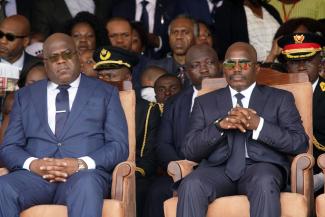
[242,135]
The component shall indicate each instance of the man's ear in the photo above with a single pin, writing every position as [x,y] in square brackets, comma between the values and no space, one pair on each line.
[26,41]
[257,68]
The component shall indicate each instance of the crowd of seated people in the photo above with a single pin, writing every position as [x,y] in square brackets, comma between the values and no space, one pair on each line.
[165,48]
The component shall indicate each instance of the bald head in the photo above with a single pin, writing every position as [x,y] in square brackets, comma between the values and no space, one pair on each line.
[240,67]
[150,75]
[242,47]
[60,59]
[56,39]
[16,31]
[19,22]
[196,51]
[201,62]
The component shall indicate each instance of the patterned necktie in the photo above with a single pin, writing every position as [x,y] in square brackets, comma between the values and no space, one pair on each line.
[62,108]
[236,163]
[145,16]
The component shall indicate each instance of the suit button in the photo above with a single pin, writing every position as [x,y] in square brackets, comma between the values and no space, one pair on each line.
[59,144]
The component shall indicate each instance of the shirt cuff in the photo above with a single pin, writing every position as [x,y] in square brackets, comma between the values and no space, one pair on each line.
[28,162]
[89,161]
[160,45]
[256,132]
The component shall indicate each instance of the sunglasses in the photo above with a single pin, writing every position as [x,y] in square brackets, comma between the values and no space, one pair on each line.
[10,36]
[244,64]
[65,55]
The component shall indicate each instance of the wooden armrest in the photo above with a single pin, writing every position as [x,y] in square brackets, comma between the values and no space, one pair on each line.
[179,169]
[321,161]
[3,171]
[301,174]
[122,173]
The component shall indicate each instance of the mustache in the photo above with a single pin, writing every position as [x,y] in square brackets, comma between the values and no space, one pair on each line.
[236,76]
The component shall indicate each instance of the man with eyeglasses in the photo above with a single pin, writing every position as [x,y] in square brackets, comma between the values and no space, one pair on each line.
[66,134]
[234,136]
[302,53]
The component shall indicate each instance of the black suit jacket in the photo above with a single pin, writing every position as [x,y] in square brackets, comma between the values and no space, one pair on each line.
[230,22]
[282,134]
[147,119]
[319,117]
[173,127]
[49,16]
[165,11]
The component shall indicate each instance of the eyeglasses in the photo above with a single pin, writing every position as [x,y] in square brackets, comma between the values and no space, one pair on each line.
[65,55]
[244,64]
[10,36]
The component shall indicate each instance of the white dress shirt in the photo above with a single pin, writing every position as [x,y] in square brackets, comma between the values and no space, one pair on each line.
[52,91]
[195,92]
[151,8]
[76,6]
[10,8]
[315,84]
[247,95]
[18,63]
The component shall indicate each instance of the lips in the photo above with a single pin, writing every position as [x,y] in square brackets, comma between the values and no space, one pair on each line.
[237,77]
[3,49]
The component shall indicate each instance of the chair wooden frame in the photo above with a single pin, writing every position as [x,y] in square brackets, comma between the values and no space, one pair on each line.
[301,167]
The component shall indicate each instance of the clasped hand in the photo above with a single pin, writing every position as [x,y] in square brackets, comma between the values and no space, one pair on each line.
[240,118]
[54,169]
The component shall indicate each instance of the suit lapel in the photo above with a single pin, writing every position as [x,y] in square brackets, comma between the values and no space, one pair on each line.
[224,103]
[39,99]
[84,92]
[257,100]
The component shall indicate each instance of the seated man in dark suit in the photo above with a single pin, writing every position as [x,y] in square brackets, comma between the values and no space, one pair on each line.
[242,136]
[201,62]
[65,136]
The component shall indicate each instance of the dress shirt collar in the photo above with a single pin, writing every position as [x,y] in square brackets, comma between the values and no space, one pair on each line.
[19,62]
[149,2]
[315,84]
[75,84]
[247,92]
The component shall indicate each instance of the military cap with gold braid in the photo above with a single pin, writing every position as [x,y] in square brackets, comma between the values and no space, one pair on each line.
[299,46]
[108,57]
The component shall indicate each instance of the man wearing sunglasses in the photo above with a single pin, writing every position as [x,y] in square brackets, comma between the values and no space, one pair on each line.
[14,37]
[302,53]
[234,134]
[65,136]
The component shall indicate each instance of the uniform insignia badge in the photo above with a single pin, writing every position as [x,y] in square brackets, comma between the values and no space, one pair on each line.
[299,39]
[322,86]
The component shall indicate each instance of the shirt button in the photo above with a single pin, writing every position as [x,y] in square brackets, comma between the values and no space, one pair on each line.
[59,144]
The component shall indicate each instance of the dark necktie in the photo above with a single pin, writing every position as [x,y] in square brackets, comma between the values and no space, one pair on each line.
[214,9]
[237,162]
[62,108]
[2,9]
[144,16]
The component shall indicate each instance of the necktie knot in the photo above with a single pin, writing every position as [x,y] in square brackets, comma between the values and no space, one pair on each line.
[63,87]
[144,3]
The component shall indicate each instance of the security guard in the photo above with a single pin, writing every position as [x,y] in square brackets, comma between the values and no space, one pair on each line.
[302,52]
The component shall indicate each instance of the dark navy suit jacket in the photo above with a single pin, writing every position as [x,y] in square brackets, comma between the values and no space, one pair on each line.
[282,134]
[173,127]
[96,127]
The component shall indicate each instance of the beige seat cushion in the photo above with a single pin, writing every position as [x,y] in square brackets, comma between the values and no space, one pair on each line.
[292,205]
[320,205]
[112,208]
